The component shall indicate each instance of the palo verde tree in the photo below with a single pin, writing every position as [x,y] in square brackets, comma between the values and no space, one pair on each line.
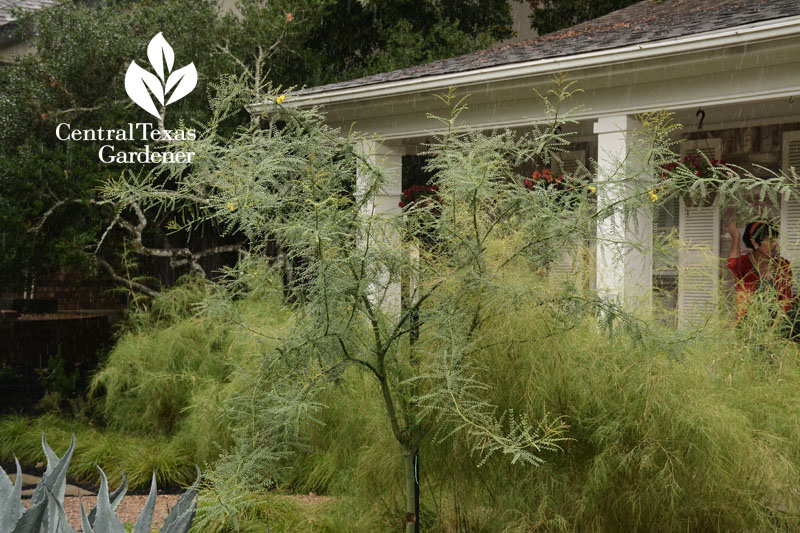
[291,178]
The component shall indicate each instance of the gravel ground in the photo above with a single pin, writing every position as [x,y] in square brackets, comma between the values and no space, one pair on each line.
[128,510]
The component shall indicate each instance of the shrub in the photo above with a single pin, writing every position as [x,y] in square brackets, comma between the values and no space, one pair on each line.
[670,432]
[172,369]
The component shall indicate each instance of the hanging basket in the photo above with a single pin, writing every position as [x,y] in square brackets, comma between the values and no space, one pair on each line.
[706,201]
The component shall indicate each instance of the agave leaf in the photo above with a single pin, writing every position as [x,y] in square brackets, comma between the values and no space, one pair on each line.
[62,525]
[116,498]
[5,484]
[54,481]
[85,525]
[33,519]
[145,520]
[11,507]
[180,517]
[52,458]
[106,520]
[55,475]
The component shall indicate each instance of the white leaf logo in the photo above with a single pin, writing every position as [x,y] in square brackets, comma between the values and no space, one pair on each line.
[157,50]
[183,80]
[141,84]
[137,81]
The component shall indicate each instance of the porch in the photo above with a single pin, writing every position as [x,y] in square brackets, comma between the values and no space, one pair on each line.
[744,79]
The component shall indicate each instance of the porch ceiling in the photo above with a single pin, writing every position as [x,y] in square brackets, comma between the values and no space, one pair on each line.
[717,117]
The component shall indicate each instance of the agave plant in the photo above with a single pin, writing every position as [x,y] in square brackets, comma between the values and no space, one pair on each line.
[46,512]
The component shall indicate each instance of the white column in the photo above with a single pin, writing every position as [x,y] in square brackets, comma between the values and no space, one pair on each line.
[382,177]
[625,237]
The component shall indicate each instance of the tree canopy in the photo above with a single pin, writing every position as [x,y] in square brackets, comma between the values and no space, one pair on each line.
[50,216]
[551,15]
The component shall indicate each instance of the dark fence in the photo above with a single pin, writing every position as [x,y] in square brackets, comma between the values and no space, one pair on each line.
[42,351]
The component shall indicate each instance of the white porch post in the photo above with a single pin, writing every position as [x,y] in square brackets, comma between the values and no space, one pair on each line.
[624,247]
[383,237]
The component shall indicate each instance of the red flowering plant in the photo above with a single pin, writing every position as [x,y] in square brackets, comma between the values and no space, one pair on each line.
[562,187]
[418,201]
[421,196]
[694,174]
[545,178]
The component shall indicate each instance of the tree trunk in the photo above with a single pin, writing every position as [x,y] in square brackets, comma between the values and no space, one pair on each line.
[416,491]
[411,510]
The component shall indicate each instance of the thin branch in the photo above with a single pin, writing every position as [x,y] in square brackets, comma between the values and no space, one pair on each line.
[55,114]
[177,256]
[37,228]
[349,357]
[129,282]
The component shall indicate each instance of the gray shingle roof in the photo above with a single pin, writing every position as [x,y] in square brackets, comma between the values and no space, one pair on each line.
[6,7]
[643,22]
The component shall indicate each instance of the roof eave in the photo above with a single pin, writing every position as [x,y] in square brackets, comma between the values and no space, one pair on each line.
[719,39]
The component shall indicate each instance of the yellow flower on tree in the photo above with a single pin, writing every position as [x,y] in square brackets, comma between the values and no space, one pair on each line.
[592,189]
[231,207]
[279,100]
[653,195]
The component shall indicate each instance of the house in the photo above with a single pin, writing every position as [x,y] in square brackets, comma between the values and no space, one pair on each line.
[737,61]
[10,45]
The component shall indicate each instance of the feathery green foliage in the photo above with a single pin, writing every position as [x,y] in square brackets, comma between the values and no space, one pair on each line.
[292,181]
[695,433]
[137,456]
[482,254]
[172,371]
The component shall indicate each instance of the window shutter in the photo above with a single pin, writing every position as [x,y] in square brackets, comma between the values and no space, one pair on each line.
[571,163]
[698,258]
[665,221]
[698,284]
[790,207]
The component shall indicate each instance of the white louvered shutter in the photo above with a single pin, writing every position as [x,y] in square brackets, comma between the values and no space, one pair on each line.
[665,261]
[569,163]
[790,207]
[698,259]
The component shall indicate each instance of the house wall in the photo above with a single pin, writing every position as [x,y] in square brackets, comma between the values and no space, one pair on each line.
[10,49]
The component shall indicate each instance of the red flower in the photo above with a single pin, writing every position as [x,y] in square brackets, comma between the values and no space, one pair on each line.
[421,195]
[545,175]
[696,163]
